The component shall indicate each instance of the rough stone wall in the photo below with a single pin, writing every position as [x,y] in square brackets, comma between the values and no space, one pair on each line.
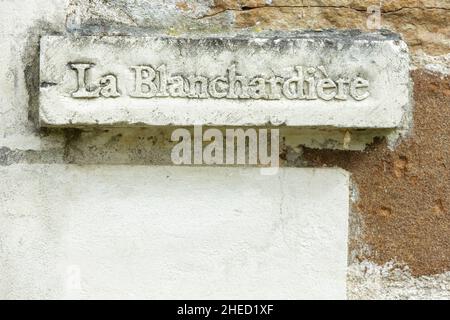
[399,244]
[403,193]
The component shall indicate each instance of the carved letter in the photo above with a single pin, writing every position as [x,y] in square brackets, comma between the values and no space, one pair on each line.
[326,84]
[233,80]
[110,86]
[274,92]
[176,87]
[359,83]
[298,91]
[311,95]
[82,92]
[213,90]
[162,72]
[341,89]
[146,81]
[203,82]
[257,88]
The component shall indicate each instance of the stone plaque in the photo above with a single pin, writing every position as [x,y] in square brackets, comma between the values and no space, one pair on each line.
[309,79]
[165,232]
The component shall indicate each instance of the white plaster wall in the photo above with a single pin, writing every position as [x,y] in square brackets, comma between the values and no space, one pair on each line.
[172,232]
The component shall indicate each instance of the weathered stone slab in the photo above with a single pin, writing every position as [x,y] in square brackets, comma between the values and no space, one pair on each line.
[172,232]
[312,79]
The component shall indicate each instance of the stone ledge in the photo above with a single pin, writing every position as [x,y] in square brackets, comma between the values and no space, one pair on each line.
[348,82]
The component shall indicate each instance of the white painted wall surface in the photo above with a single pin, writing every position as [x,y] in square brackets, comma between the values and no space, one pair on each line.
[71,231]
